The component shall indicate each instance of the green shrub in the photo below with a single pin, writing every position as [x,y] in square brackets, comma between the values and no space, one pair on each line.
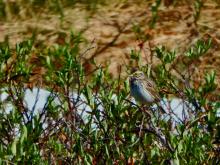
[115,130]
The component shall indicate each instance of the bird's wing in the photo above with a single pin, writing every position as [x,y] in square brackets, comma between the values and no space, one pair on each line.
[152,88]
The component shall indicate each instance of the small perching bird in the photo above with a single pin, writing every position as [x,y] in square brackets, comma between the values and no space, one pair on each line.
[145,92]
[143,89]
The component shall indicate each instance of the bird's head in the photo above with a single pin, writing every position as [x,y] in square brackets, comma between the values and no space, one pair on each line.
[136,76]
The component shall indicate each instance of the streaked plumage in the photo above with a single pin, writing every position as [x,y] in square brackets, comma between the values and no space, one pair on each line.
[143,89]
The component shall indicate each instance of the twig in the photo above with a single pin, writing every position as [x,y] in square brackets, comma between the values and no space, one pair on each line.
[161,136]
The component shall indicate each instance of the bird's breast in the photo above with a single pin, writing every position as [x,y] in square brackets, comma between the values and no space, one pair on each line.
[140,94]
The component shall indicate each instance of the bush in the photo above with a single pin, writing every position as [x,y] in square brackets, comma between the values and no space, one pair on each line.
[88,118]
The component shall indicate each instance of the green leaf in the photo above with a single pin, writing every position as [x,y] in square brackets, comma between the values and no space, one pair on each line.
[14,147]
[135,55]
[106,151]
[212,117]
[24,134]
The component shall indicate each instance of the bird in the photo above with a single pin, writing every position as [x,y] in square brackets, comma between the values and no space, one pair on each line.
[143,89]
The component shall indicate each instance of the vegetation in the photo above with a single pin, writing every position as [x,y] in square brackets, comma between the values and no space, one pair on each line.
[114,129]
